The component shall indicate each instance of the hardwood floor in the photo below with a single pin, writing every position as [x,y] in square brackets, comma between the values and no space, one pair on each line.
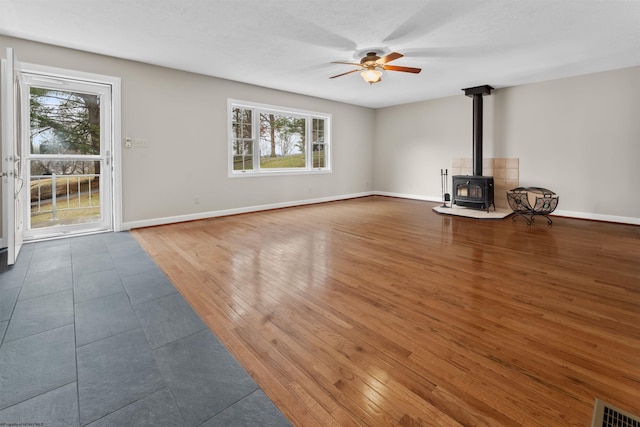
[379,312]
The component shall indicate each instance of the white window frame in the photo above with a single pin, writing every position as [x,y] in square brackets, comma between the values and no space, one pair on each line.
[257,109]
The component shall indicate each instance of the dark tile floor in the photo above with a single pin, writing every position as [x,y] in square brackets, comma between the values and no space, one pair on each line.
[93,333]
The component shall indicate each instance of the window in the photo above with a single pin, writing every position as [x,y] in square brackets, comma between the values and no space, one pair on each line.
[318,143]
[242,131]
[285,141]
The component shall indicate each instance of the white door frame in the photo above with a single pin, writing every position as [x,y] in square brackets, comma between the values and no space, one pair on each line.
[102,92]
[115,126]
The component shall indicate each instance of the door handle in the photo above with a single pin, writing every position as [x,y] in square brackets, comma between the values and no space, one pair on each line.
[19,178]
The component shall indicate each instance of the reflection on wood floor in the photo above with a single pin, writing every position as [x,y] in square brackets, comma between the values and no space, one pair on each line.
[377,311]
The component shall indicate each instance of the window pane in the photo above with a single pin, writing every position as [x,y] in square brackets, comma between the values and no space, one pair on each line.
[319,159]
[64,122]
[76,198]
[246,131]
[242,147]
[242,162]
[282,141]
[319,156]
[318,130]
[243,155]
[241,123]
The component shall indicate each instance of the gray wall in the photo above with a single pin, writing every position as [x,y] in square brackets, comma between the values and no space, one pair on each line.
[578,136]
[184,117]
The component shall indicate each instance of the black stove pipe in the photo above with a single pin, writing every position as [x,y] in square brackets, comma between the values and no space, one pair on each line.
[477,134]
[477,93]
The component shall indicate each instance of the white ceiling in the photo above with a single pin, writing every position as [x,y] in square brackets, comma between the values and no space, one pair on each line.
[289,44]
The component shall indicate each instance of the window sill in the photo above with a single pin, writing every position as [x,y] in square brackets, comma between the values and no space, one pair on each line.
[278,173]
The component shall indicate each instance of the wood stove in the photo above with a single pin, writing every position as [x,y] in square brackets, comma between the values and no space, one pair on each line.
[475,191]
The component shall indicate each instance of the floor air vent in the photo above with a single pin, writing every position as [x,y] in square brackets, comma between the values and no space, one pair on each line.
[606,415]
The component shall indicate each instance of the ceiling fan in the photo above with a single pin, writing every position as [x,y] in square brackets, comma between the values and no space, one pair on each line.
[371,66]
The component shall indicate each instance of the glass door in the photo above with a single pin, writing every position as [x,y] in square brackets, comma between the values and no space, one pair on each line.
[67,157]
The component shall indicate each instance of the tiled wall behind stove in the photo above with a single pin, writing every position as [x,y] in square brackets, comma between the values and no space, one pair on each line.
[505,172]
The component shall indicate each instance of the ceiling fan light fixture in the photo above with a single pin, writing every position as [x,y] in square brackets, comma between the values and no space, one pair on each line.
[372,65]
[371,76]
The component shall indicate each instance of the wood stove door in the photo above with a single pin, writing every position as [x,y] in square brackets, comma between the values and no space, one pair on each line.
[469,191]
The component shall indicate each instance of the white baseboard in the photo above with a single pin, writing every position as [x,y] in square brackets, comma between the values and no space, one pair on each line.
[568,214]
[436,199]
[213,214]
[597,217]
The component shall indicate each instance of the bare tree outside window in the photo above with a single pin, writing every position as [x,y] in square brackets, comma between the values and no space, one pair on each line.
[64,123]
[282,141]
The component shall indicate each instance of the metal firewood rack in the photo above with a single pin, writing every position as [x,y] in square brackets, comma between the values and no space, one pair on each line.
[528,202]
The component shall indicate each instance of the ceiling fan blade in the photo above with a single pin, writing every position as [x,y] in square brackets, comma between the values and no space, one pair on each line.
[347,63]
[404,69]
[390,57]
[344,74]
